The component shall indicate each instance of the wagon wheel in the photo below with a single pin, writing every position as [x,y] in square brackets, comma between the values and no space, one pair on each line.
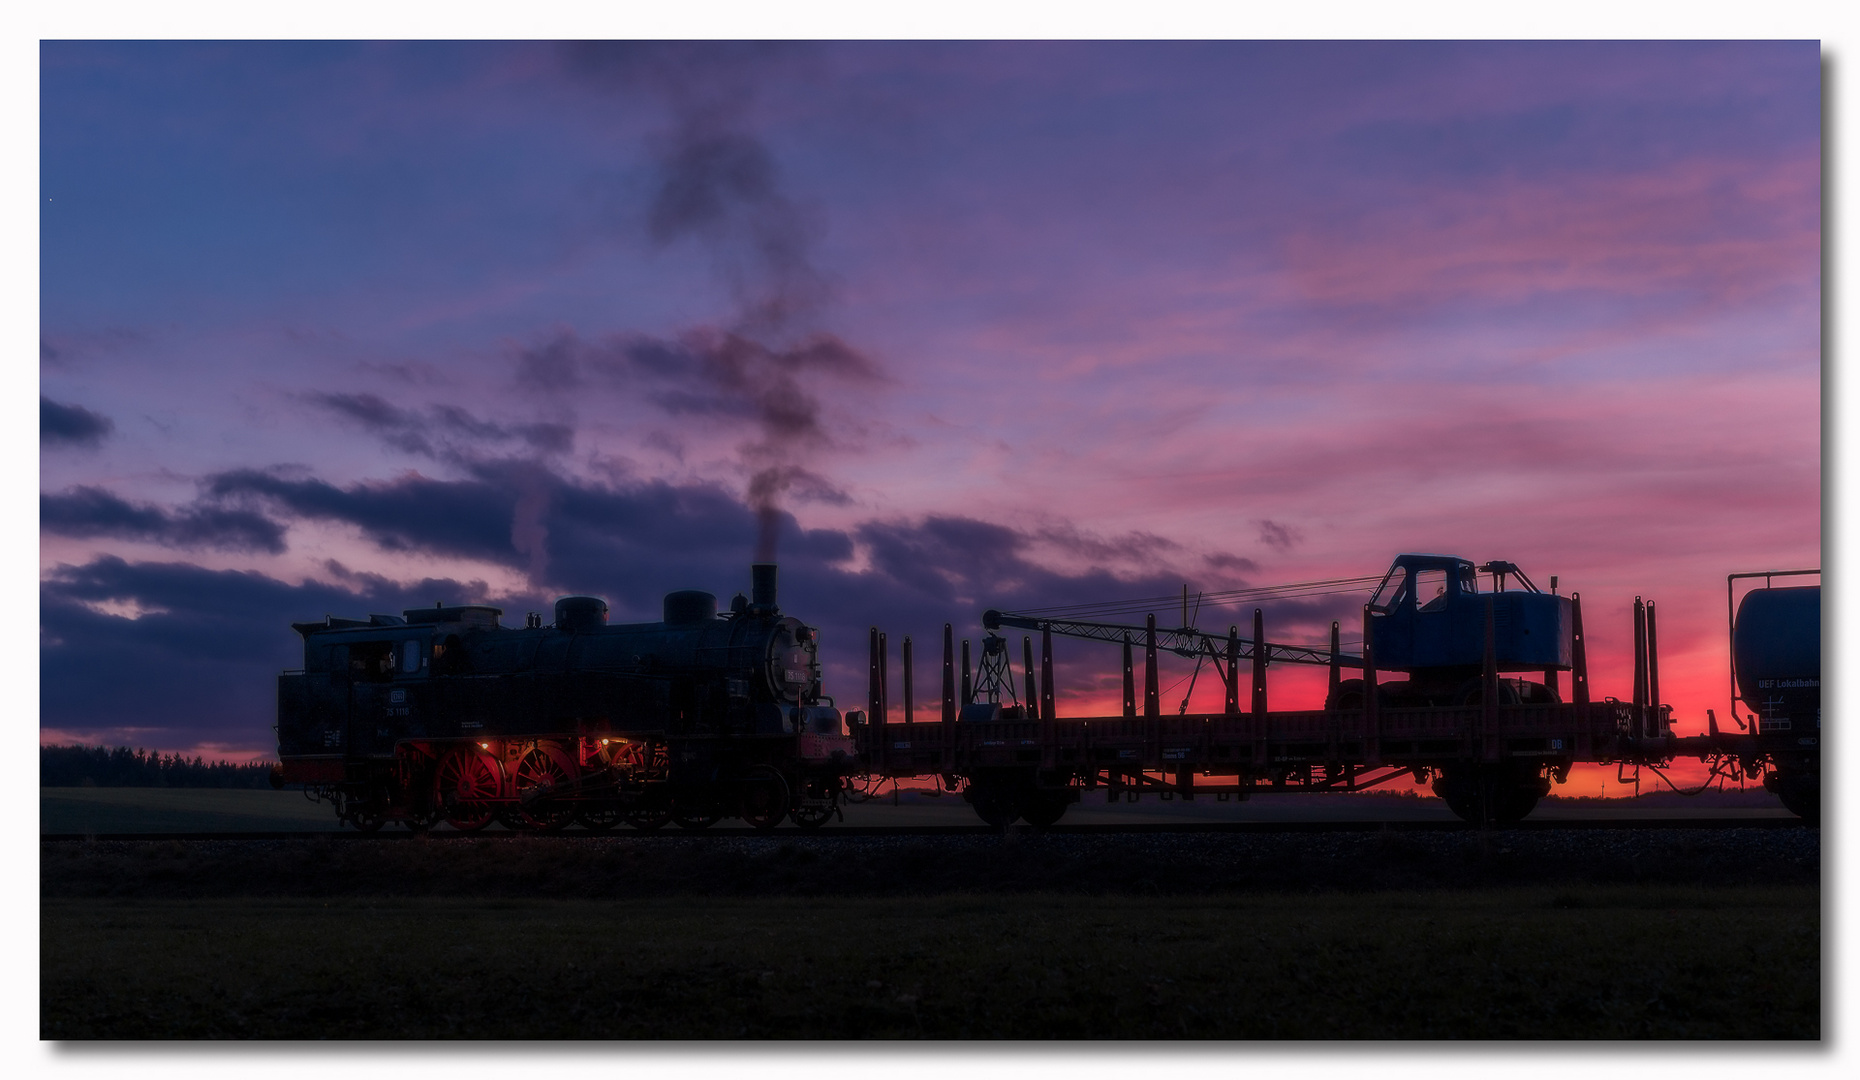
[466,787]
[1800,794]
[995,804]
[1485,795]
[648,820]
[545,767]
[764,799]
[600,817]
[1042,808]
[368,821]
[810,817]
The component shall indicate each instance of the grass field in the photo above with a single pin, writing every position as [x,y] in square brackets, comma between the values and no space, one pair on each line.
[1583,962]
[79,810]
[105,811]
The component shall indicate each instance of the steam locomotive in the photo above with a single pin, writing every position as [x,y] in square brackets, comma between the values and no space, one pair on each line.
[445,714]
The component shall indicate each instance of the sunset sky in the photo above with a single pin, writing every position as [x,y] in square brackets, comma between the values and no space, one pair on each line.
[348,328]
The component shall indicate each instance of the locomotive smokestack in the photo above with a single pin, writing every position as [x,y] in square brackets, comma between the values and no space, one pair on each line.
[762,587]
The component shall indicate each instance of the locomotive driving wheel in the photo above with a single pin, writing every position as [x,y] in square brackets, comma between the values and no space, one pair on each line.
[648,820]
[544,769]
[695,818]
[599,817]
[764,799]
[466,787]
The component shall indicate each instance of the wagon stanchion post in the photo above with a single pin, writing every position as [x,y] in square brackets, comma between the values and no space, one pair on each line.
[1653,676]
[1233,670]
[1151,703]
[1049,711]
[1046,673]
[1550,673]
[1331,720]
[1640,667]
[1372,719]
[1032,709]
[949,673]
[1130,682]
[874,700]
[1336,660]
[883,718]
[1488,695]
[1259,663]
[1579,680]
[1578,653]
[1258,719]
[910,704]
[949,695]
[871,691]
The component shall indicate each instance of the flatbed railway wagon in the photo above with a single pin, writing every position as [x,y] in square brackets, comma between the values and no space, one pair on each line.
[1491,740]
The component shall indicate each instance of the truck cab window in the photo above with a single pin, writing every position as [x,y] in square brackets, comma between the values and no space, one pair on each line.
[1430,590]
[1389,593]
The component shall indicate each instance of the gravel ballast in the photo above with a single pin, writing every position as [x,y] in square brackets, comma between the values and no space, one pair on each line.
[630,865]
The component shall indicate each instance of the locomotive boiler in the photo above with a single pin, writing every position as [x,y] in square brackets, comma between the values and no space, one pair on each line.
[446,714]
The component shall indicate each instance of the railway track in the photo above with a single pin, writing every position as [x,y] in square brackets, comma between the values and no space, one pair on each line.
[861,831]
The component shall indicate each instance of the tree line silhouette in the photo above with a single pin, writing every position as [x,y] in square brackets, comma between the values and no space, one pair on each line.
[99,766]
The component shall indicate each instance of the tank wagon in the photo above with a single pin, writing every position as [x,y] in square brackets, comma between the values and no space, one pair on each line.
[443,713]
[1776,678]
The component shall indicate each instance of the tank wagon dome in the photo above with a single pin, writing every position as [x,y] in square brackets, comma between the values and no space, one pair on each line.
[580,614]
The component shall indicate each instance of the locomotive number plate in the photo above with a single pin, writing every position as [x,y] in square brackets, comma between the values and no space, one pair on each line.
[794,676]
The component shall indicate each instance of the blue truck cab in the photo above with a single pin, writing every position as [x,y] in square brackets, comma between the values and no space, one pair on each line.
[1428,613]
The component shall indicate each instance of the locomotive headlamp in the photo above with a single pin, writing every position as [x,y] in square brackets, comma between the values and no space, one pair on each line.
[484,746]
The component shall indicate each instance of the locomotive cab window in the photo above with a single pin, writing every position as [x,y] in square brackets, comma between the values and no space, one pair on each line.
[410,656]
[371,661]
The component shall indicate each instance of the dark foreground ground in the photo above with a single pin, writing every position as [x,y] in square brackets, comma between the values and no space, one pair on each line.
[1551,934]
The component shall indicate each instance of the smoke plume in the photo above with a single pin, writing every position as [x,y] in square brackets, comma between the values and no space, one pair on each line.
[718,185]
